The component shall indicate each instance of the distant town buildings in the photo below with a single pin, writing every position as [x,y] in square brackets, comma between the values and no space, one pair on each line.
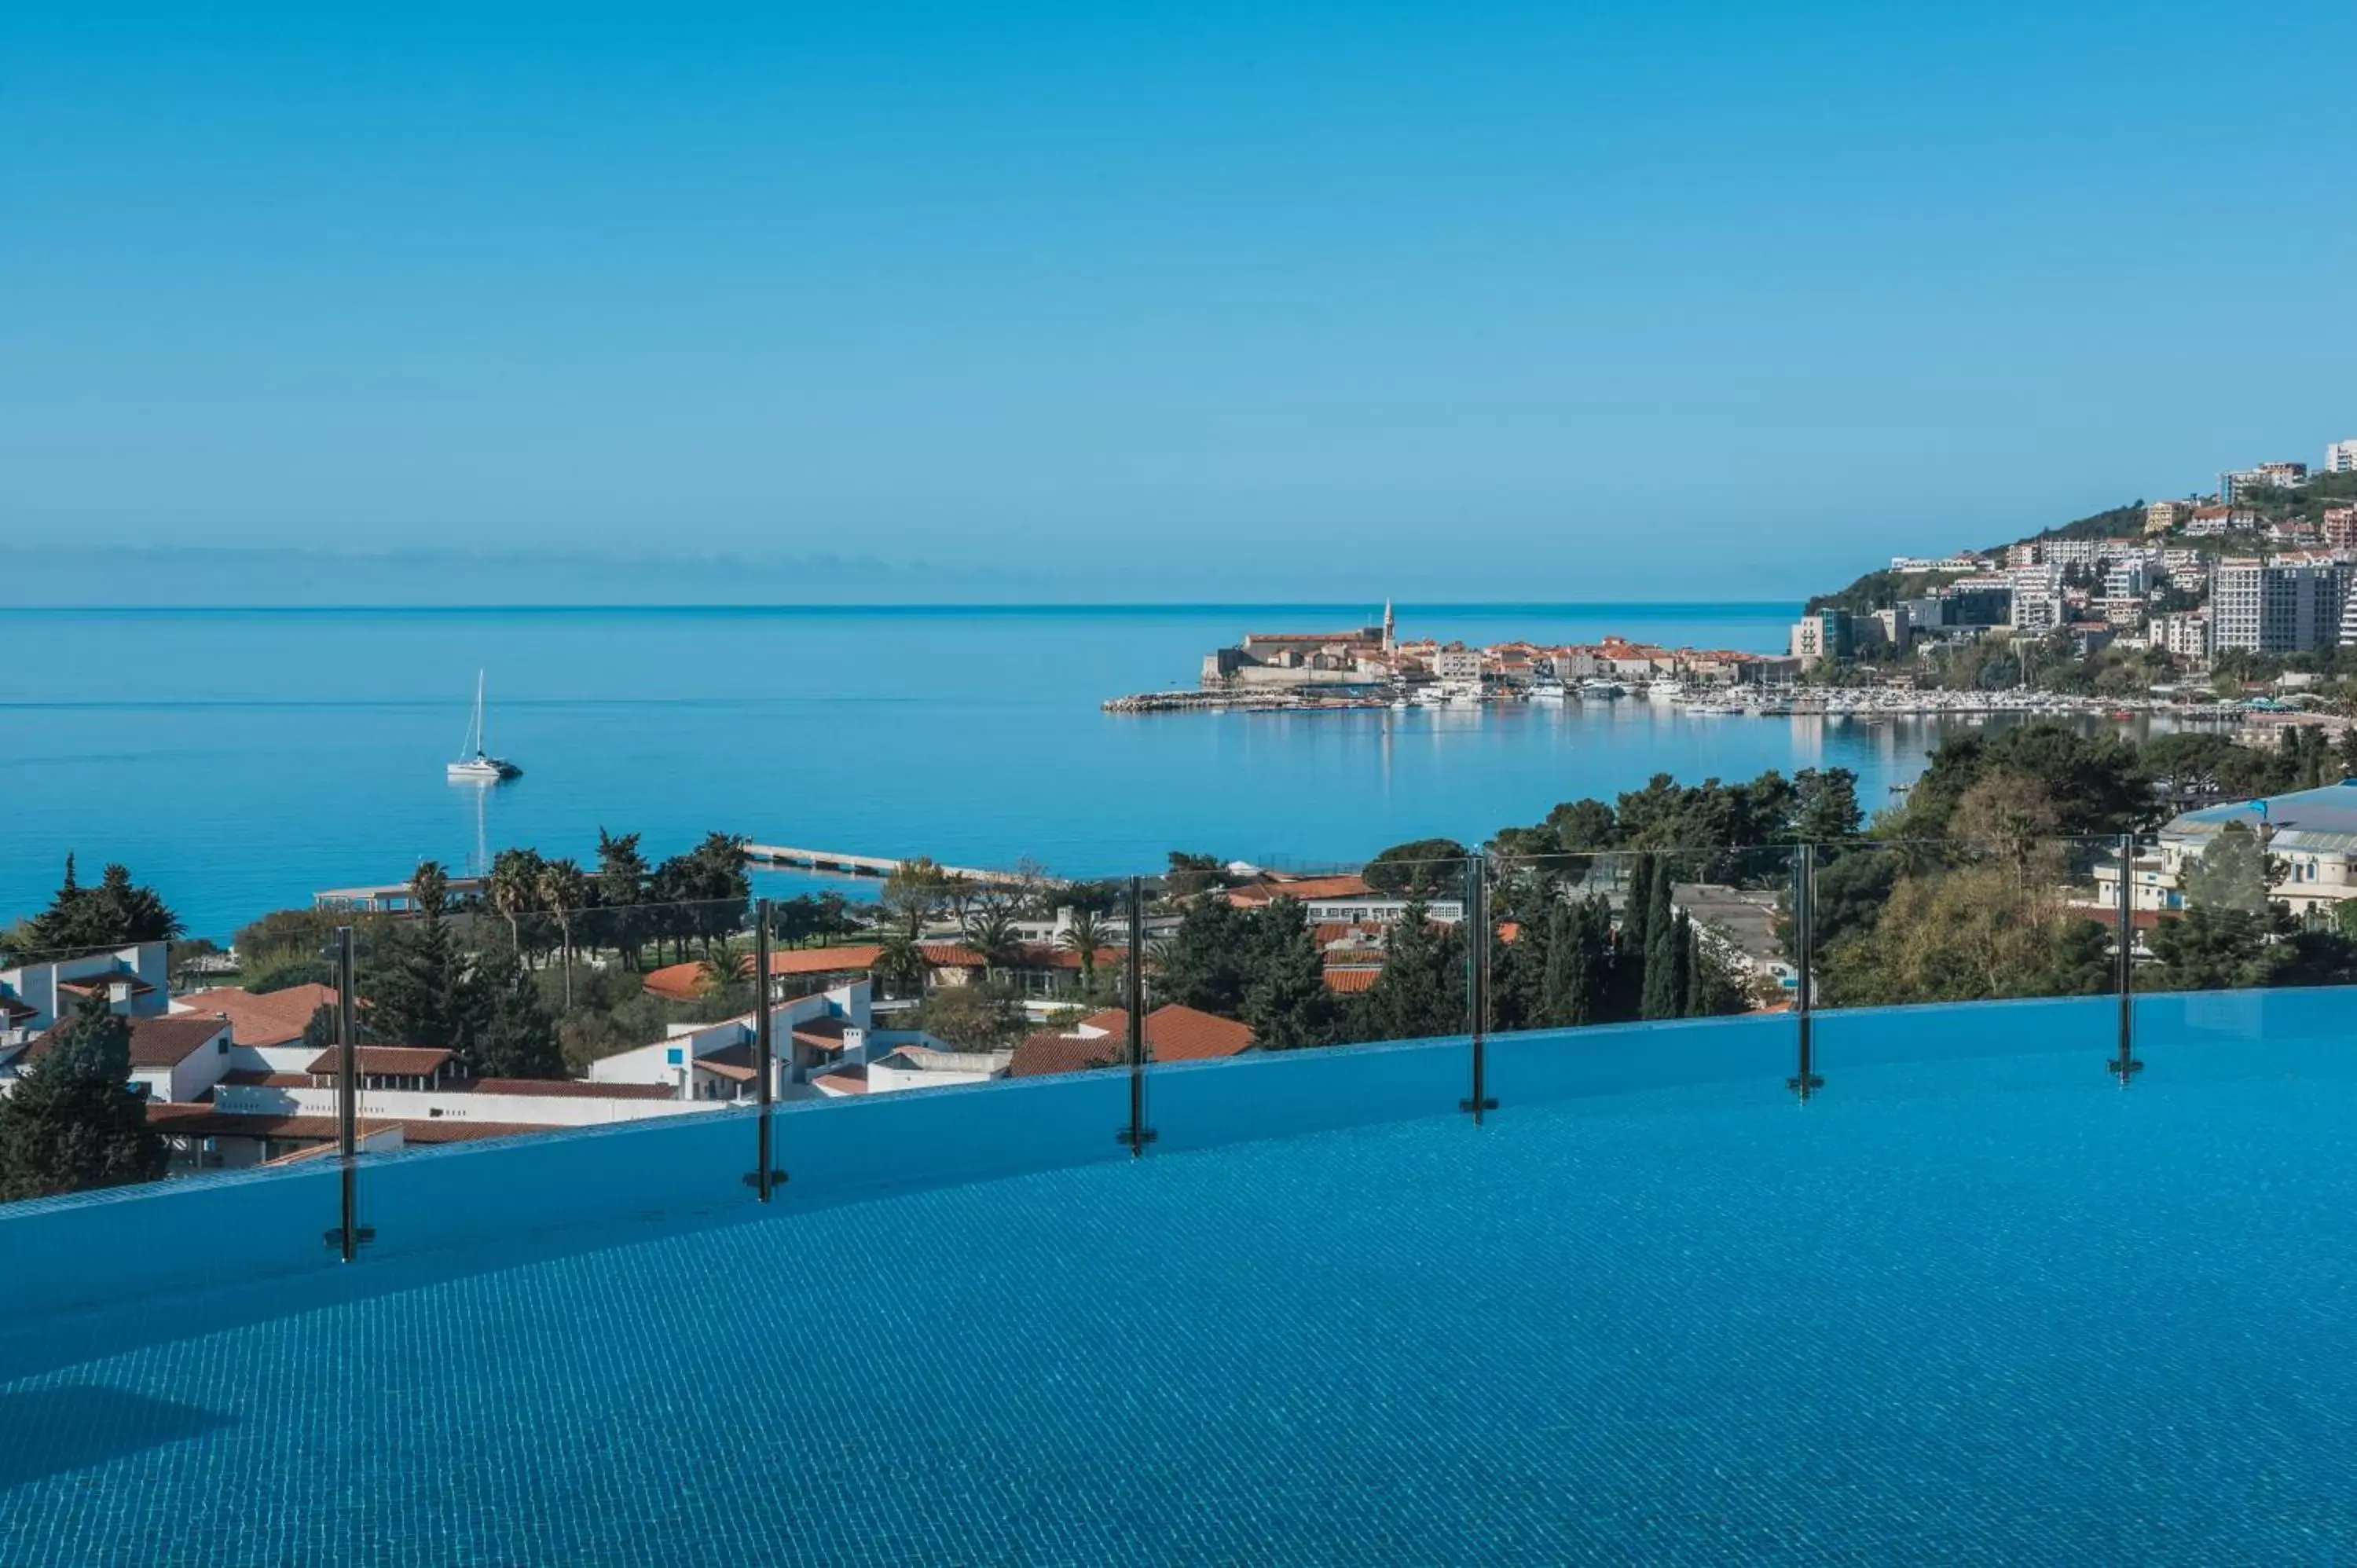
[2167,517]
[2275,476]
[2341,457]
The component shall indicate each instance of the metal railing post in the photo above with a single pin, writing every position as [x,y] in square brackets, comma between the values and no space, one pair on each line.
[1136,1135]
[1478,935]
[2125,1066]
[348,1235]
[765,1054]
[1804,1080]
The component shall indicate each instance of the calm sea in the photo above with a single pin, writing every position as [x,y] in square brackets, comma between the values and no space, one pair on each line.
[242,759]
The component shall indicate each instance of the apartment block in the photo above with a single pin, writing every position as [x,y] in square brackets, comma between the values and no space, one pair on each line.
[2275,607]
[2341,457]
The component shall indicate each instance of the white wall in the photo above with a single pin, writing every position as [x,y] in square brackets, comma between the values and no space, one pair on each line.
[425,1105]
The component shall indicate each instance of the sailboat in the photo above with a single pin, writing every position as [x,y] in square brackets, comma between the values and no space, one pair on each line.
[475,765]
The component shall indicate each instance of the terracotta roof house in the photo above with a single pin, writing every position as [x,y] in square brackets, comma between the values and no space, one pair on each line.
[1173,1034]
[259,1018]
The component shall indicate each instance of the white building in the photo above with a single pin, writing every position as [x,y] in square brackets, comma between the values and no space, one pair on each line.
[2185,633]
[2128,580]
[1936,562]
[2341,457]
[2270,608]
[2034,615]
[34,996]
[2215,519]
[2279,475]
[2310,837]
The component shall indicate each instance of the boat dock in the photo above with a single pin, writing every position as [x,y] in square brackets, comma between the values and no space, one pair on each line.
[843,864]
[387,898]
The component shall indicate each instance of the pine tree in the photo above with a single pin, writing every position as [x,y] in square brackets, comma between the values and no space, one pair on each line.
[1287,1004]
[419,994]
[1421,992]
[516,1037]
[72,1120]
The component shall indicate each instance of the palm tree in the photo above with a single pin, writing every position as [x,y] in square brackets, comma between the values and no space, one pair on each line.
[900,959]
[513,889]
[990,931]
[1083,937]
[721,969]
[564,889]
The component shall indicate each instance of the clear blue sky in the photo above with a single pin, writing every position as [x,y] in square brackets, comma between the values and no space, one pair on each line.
[1661,300]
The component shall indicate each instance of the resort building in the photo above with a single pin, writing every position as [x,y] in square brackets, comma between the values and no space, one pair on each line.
[34,995]
[2310,838]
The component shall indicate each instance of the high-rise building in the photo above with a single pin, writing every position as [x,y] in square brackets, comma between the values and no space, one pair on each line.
[1823,634]
[2279,475]
[2341,457]
[2277,608]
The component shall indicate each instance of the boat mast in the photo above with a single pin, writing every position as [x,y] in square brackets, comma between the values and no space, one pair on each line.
[478,714]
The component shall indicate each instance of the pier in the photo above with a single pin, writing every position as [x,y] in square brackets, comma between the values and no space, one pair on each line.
[844,863]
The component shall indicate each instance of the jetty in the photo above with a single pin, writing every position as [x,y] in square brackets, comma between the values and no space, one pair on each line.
[843,864]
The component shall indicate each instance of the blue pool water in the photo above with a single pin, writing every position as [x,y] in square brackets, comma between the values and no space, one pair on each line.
[1994,1311]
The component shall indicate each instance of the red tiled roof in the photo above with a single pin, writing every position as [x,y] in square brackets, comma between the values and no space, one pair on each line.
[1040,1054]
[1173,1034]
[1303,887]
[687,981]
[384,1061]
[166,1041]
[731,1062]
[261,1018]
[844,1081]
[1348,981]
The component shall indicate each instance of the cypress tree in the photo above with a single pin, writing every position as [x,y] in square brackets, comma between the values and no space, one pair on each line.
[1575,970]
[1664,993]
[72,1120]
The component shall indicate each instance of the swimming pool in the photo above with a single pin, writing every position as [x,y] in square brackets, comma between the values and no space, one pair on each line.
[1958,1308]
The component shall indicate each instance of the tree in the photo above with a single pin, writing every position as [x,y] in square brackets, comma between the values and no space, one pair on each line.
[1664,993]
[1288,1002]
[1190,875]
[1419,869]
[621,888]
[1578,959]
[990,931]
[1206,965]
[516,1037]
[2217,947]
[1082,937]
[2010,813]
[915,893]
[1420,992]
[513,889]
[984,1017]
[1959,936]
[899,962]
[72,1120]
[565,891]
[116,913]
[418,990]
[2231,871]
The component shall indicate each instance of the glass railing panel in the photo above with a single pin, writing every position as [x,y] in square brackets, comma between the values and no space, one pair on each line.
[1629,969]
[2243,939]
[2001,945]
[1259,980]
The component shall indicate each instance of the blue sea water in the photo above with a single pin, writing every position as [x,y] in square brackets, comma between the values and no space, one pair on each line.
[1980,1311]
[243,759]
